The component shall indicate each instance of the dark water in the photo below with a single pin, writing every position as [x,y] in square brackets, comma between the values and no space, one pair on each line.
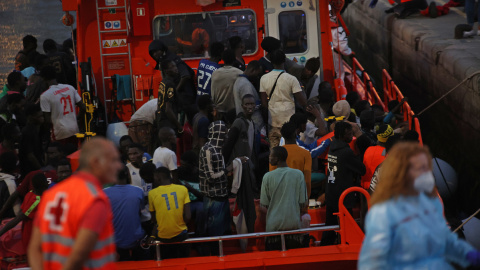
[18,18]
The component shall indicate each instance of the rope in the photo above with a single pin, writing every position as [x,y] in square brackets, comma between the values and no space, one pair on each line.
[451,90]
[468,219]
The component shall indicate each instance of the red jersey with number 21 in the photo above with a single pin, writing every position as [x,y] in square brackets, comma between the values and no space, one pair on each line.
[60,100]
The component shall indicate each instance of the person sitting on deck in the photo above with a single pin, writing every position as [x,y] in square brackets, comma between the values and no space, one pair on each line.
[284,195]
[170,209]
[8,187]
[127,202]
[28,209]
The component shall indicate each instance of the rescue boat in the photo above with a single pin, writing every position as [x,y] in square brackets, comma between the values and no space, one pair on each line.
[112,38]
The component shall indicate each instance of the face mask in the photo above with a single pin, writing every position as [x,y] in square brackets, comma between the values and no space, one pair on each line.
[425,182]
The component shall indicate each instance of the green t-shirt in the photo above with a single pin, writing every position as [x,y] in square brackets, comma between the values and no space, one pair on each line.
[4,91]
[283,192]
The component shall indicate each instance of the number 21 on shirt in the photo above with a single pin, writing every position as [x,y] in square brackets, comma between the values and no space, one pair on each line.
[174,194]
[67,104]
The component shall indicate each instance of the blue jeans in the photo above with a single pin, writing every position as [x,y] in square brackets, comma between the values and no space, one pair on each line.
[470,11]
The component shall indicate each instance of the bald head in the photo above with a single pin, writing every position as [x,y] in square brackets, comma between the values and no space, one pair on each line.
[100,157]
[167,138]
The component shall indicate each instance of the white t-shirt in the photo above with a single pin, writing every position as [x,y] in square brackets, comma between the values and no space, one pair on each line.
[146,112]
[60,100]
[136,179]
[282,104]
[164,157]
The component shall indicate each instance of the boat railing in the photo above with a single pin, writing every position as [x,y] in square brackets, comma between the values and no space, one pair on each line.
[370,93]
[391,92]
[222,238]
[350,232]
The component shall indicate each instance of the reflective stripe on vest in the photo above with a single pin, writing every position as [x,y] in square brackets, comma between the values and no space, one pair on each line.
[91,263]
[68,242]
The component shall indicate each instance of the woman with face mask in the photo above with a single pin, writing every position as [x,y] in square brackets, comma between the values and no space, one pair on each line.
[405,227]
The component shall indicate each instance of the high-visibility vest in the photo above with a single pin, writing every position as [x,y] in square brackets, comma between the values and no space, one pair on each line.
[61,212]
[371,159]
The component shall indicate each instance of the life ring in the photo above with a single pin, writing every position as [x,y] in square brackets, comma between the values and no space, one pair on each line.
[67,19]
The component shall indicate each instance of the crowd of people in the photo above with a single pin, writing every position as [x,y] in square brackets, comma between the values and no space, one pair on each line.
[266,135]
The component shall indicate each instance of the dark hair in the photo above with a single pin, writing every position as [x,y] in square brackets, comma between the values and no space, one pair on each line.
[29,39]
[146,171]
[234,42]
[203,101]
[313,64]
[165,63]
[363,142]
[367,119]
[277,57]
[32,109]
[270,44]
[48,73]
[298,119]
[64,162]
[341,128]
[247,96]
[392,104]
[14,98]
[49,45]
[8,162]
[124,138]
[288,130]
[216,49]
[280,152]
[409,136]
[382,128]
[361,106]
[190,157]
[7,130]
[228,57]
[391,141]
[67,44]
[39,59]
[124,175]
[138,146]
[352,98]
[254,65]
[163,171]
[325,92]
[377,107]
[39,181]
[14,77]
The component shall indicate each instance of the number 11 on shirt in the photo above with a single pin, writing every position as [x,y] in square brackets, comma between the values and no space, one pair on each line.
[174,194]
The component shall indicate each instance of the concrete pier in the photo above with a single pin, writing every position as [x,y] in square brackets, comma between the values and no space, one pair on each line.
[426,61]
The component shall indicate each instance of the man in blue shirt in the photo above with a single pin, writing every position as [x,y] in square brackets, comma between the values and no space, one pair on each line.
[206,67]
[127,202]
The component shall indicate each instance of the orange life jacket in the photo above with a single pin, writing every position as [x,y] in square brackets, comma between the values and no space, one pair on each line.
[371,159]
[61,212]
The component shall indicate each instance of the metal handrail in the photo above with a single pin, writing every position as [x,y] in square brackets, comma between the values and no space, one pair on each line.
[370,91]
[220,239]
[391,92]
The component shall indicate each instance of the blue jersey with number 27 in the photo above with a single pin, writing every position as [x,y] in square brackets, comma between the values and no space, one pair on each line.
[204,75]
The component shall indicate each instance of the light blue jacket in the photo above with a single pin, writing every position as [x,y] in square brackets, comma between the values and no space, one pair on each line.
[410,233]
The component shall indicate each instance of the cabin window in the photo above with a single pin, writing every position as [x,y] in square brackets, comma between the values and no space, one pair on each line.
[190,35]
[293,31]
